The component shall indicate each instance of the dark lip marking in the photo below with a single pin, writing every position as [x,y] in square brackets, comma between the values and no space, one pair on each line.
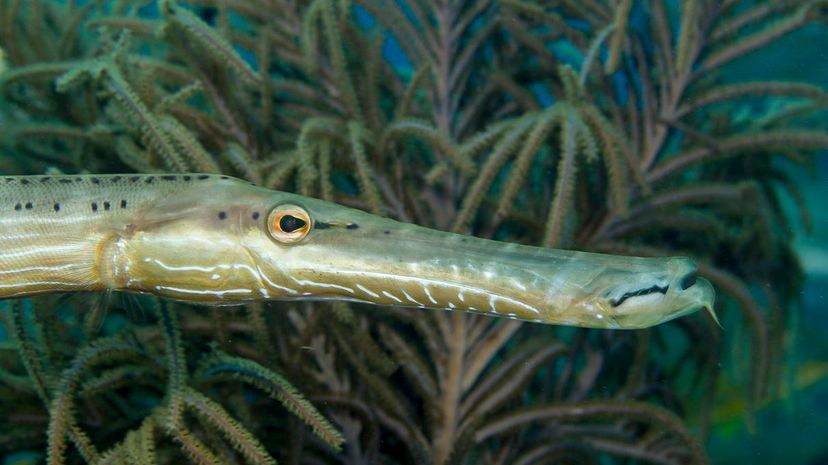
[647,290]
[352,226]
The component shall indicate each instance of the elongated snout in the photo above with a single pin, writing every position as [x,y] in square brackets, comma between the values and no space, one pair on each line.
[351,255]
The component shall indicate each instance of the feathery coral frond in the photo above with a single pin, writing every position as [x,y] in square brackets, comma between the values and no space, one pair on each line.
[276,387]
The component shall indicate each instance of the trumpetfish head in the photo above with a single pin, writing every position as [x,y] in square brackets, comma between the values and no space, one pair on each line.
[248,243]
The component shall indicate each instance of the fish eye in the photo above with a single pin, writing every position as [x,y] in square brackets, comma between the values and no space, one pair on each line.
[289,223]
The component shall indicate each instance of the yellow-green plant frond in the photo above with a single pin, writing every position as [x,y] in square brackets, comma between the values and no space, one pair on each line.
[275,386]
[207,39]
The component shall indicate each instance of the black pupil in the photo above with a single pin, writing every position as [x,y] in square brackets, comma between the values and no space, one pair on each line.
[290,223]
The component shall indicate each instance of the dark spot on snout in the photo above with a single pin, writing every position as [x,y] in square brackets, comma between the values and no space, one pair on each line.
[352,226]
[687,281]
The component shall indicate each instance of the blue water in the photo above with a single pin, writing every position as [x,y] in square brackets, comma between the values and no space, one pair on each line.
[794,429]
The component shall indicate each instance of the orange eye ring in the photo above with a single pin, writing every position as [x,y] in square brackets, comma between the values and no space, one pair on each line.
[288,223]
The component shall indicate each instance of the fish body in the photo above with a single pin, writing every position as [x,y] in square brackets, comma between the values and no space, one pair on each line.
[218,240]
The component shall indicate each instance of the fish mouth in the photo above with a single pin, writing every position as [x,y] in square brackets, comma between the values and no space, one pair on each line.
[694,292]
[687,295]
[706,295]
[648,299]
[702,294]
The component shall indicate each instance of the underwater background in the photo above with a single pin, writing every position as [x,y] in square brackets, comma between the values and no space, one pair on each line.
[639,127]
